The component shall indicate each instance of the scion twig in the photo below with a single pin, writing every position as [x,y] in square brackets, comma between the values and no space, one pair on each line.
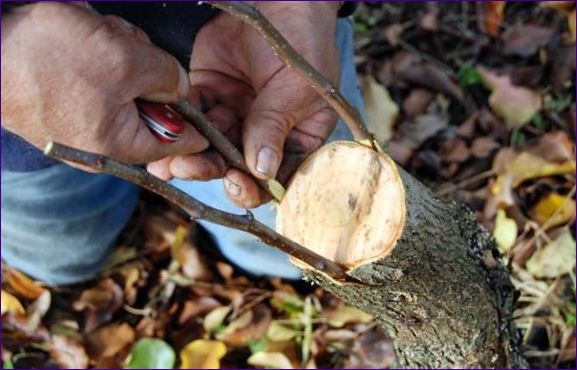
[231,154]
[195,208]
[252,16]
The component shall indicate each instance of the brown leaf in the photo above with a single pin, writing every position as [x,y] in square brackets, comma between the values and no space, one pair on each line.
[401,152]
[417,102]
[99,303]
[525,40]
[67,353]
[455,150]
[423,127]
[430,21]
[196,307]
[192,263]
[421,73]
[109,341]
[225,270]
[253,326]
[467,129]
[393,33]
[555,146]
[22,285]
[482,147]
[373,350]
[562,67]
[516,105]
[494,16]
[571,26]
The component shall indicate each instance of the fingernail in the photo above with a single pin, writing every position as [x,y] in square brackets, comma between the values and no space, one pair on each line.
[183,82]
[232,188]
[267,161]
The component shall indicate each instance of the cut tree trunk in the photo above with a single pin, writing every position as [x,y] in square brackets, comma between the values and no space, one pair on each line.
[428,271]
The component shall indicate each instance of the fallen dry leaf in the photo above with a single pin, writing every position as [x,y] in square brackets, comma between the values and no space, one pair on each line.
[554,146]
[555,259]
[417,102]
[494,16]
[99,303]
[554,209]
[215,318]
[11,304]
[373,350]
[562,6]
[270,360]
[515,104]
[250,326]
[67,353]
[571,25]
[278,333]
[505,231]
[455,150]
[196,307]
[37,310]
[344,314]
[382,111]
[430,21]
[109,341]
[482,147]
[22,285]
[527,166]
[525,40]
[202,354]
[422,127]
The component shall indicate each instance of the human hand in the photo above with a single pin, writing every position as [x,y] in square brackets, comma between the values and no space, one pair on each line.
[258,102]
[71,75]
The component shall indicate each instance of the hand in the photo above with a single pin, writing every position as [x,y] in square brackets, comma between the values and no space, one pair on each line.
[70,75]
[258,102]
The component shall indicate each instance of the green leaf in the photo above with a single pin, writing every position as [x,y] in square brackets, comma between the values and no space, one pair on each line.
[570,319]
[151,353]
[7,365]
[469,76]
[517,138]
[258,345]
[538,121]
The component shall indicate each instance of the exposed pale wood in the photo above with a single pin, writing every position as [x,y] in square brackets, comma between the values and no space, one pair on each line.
[351,210]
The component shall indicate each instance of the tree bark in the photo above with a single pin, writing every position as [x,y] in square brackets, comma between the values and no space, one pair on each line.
[440,291]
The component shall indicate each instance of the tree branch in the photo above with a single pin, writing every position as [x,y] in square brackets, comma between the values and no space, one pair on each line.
[195,208]
[251,16]
[231,154]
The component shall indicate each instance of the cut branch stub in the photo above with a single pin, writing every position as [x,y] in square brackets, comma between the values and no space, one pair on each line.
[351,210]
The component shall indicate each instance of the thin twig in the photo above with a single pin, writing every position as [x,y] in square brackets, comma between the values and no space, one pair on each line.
[231,154]
[195,208]
[252,16]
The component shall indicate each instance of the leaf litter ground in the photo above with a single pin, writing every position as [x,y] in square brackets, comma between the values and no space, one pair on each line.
[477,100]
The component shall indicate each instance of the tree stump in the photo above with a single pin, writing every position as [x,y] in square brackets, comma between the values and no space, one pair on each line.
[429,272]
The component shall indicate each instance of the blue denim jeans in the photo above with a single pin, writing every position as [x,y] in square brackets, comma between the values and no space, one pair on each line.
[59,223]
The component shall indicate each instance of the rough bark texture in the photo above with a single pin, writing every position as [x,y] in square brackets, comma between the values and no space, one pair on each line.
[442,295]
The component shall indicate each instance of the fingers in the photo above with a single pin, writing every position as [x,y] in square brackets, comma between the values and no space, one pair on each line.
[162,79]
[276,110]
[160,168]
[204,166]
[243,190]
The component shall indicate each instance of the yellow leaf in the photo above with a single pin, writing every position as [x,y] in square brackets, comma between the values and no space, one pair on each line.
[11,304]
[554,209]
[344,314]
[22,285]
[179,236]
[381,110]
[505,232]
[555,259]
[571,23]
[527,166]
[515,104]
[202,354]
[270,360]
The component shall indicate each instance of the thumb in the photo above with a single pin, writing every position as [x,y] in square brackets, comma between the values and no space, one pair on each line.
[272,115]
[162,79]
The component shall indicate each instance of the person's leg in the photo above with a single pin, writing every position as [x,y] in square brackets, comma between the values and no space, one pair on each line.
[244,249]
[59,223]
